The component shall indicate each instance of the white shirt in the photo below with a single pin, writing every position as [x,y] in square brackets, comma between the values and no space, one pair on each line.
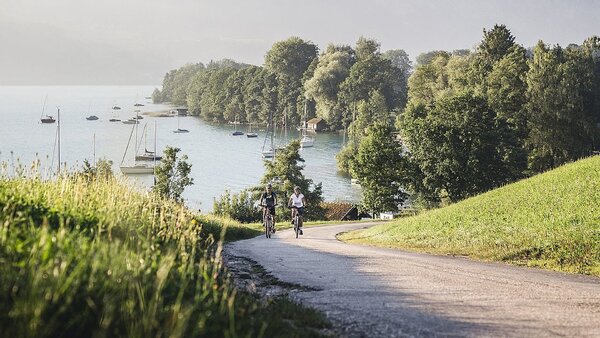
[297,200]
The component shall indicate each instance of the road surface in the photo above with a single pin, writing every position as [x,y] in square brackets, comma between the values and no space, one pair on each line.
[375,292]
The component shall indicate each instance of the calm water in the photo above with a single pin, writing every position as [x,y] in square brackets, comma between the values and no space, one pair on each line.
[219,160]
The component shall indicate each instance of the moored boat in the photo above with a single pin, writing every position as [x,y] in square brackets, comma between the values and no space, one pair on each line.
[148,157]
[47,118]
[137,169]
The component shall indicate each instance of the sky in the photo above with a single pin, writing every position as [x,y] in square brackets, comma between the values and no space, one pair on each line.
[120,42]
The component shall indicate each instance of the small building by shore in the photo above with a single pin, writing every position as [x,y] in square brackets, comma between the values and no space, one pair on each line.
[316,124]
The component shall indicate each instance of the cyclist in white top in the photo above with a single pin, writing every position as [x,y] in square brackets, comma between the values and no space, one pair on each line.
[297,202]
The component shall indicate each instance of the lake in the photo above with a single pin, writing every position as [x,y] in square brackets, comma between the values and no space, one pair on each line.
[219,160]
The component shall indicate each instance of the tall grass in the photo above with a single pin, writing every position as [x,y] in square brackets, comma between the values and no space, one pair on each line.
[551,221]
[82,258]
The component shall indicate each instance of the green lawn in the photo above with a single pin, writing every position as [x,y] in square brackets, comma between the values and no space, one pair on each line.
[551,221]
[98,259]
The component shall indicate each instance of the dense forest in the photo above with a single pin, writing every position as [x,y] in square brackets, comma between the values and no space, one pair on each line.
[467,120]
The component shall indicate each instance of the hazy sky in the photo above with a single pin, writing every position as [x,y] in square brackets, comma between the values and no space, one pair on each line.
[137,41]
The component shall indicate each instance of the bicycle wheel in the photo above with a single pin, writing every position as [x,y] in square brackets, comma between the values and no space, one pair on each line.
[296,227]
[267,228]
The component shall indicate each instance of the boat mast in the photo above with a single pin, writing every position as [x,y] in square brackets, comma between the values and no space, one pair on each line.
[137,121]
[58,131]
[126,148]
[272,132]
[304,124]
[285,126]
[154,155]
[44,106]
[94,145]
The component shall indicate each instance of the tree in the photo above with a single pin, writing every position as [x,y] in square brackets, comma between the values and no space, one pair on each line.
[426,58]
[101,170]
[323,87]
[591,47]
[507,96]
[399,59]
[458,146]
[560,106]
[372,72]
[288,60]
[284,173]
[368,112]
[240,207]
[496,43]
[176,83]
[172,175]
[378,166]
[429,80]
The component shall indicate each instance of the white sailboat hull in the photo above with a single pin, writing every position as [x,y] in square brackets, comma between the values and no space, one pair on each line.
[137,169]
[268,153]
[307,142]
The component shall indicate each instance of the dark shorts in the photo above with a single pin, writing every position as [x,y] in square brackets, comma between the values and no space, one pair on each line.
[271,210]
[300,211]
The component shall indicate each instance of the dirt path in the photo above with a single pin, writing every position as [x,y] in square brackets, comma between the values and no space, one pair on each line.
[375,292]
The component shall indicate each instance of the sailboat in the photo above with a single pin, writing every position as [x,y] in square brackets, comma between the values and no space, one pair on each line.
[136,168]
[48,118]
[148,155]
[269,152]
[179,130]
[91,117]
[306,141]
[236,132]
[250,134]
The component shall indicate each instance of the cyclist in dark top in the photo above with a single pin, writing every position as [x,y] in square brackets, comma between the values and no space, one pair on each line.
[269,198]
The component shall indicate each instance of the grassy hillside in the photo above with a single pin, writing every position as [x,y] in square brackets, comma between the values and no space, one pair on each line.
[85,258]
[551,221]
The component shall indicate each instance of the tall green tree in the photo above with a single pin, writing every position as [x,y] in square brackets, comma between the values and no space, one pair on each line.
[172,175]
[426,58]
[175,84]
[368,112]
[458,146]
[560,106]
[379,167]
[496,43]
[592,48]
[372,72]
[507,96]
[288,60]
[284,173]
[429,80]
[323,87]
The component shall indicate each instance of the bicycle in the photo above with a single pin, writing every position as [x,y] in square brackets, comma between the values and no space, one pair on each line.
[267,221]
[297,221]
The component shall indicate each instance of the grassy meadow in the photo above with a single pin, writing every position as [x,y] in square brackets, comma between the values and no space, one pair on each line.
[96,258]
[550,221]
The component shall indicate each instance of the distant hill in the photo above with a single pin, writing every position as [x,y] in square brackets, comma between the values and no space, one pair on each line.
[551,220]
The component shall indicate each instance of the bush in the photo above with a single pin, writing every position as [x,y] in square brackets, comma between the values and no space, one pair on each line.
[240,207]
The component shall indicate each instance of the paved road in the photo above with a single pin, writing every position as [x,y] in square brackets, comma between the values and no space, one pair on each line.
[375,292]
